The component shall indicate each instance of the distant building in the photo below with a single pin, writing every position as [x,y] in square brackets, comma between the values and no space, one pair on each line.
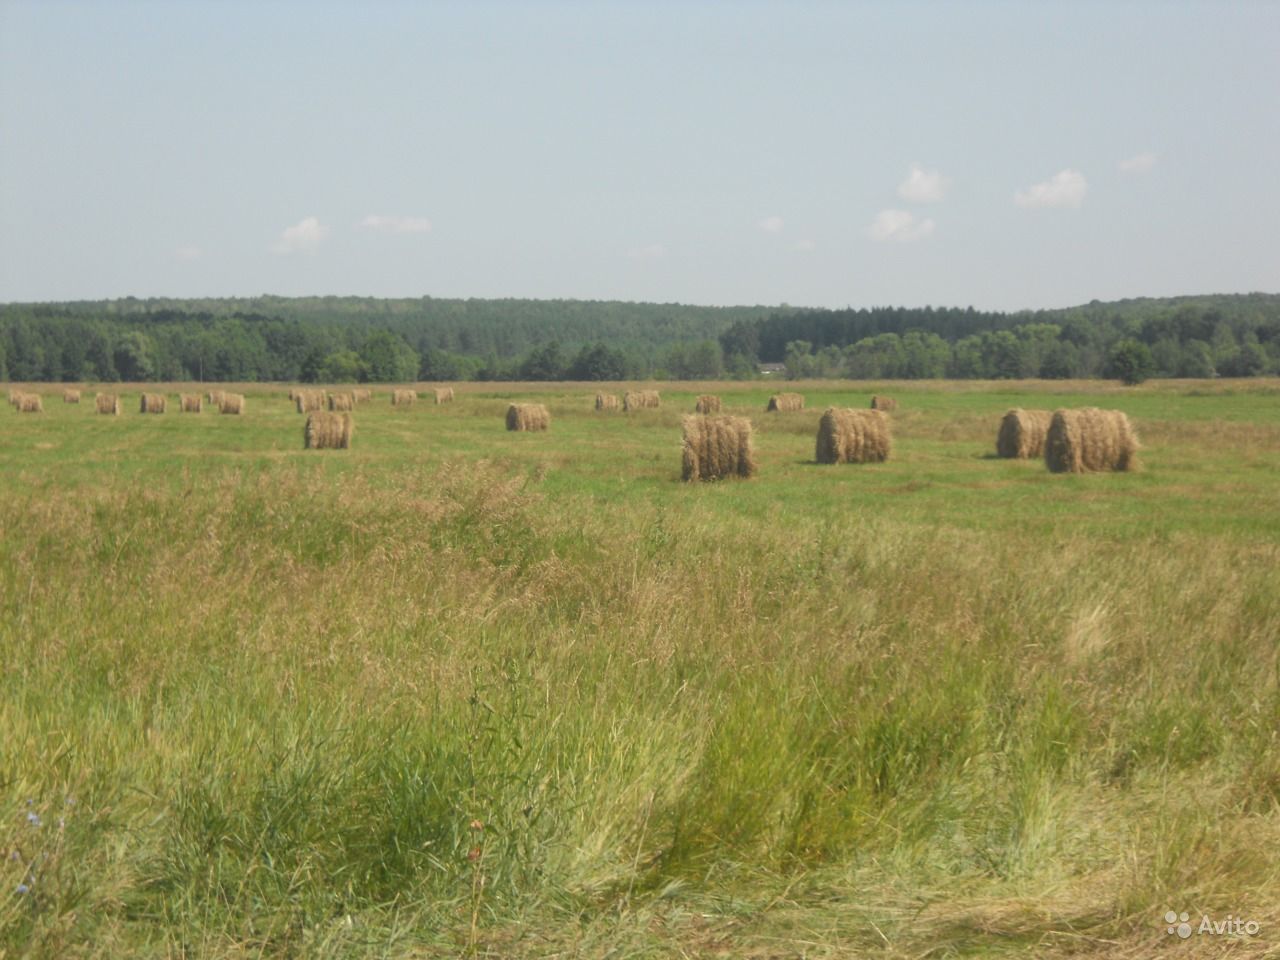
[769,369]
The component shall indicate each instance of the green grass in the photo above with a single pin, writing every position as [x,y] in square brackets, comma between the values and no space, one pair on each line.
[947,705]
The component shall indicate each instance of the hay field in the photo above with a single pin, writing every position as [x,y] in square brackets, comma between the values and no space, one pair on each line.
[457,691]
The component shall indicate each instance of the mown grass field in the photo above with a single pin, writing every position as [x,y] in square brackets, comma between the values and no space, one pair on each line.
[457,691]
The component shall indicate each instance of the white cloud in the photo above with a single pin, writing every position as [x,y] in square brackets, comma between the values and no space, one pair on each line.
[899,226]
[386,224]
[187,253]
[806,246]
[1139,164]
[654,251]
[303,237]
[1064,189]
[923,186]
[770,224]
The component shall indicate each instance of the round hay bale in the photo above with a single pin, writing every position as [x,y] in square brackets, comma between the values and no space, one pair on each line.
[883,403]
[107,404]
[608,401]
[1022,434]
[707,404]
[528,416]
[853,436]
[784,403]
[1089,440]
[191,402]
[716,448]
[232,403]
[215,397]
[342,401]
[641,400]
[443,395]
[308,401]
[30,403]
[404,398]
[362,396]
[152,403]
[70,395]
[327,431]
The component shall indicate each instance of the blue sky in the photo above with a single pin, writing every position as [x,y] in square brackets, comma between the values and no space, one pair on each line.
[1000,155]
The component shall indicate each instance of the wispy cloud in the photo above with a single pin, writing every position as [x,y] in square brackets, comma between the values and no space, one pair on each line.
[303,237]
[385,224]
[1064,189]
[805,246]
[187,254]
[1138,164]
[654,251]
[923,186]
[770,224]
[899,226]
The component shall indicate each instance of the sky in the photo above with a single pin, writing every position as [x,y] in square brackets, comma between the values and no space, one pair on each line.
[1001,155]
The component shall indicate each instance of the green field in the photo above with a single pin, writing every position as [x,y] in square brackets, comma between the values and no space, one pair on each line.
[458,691]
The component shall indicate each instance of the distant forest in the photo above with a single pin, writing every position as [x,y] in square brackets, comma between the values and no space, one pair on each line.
[341,339]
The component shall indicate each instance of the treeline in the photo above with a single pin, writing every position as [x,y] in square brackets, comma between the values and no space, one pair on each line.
[340,339]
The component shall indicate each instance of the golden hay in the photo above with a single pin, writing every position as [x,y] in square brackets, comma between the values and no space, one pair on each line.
[1081,441]
[328,431]
[608,401]
[14,394]
[1022,433]
[528,416]
[404,398]
[192,402]
[707,404]
[883,403]
[70,395]
[785,402]
[232,403]
[443,394]
[108,403]
[305,401]
[152,403]
[342,401]
[717,447]
[30,403]
[641,399]
[215,397]
[293,394]
[362,396]
[853,436]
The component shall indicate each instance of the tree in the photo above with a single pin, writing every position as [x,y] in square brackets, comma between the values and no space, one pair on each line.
[345,366]
[1130,362]
[134,356]
[387,358]
[544,363]
[598,362]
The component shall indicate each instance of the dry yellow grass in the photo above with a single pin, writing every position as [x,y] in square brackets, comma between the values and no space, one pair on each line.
[70,395]
[191,403]
[707,403]
[886,404]
[785,402]
[1022,433]
[608,401]
[853,436]
[362,395]
[152,403]
[528,416]
[641,400]
[328,431]
[717,447]
[342,401]
[404,398]
[1088,440]
[108,403]
[232,403]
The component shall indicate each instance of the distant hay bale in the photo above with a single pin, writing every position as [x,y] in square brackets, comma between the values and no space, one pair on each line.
[215,397]
[232,403]
[30,403]
[717,447]
[362,396]
[528,416]
[1022,434]
[192,402]
[307,401]
[1082,441]
[70,395]
[443,394]
[608,401]
[707,404]
[785,403]
[641,400]
[883,403]
[293,394]
[14,394]
[152,403]
[342,401]
[404,398]
[853,436]
[328,431]
[108,403]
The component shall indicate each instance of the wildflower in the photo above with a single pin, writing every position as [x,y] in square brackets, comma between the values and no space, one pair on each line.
[33,818]
[23,888]
[473,854]
[477,825]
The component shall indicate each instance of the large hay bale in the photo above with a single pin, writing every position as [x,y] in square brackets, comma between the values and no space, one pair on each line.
[1022,433]
[232,403]
[215,397]
[608,401]
[784,403]
[342,401]
[641,400]
[328,431]
[528,416]
[152,403]
[362,395]
[192,402]
[886,404]
[108,403]
[1082,441]
[30,403]
[717,447]
[404,398]
[307,401]
[443,394]
[707,404]
[70,395]
[853,436]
